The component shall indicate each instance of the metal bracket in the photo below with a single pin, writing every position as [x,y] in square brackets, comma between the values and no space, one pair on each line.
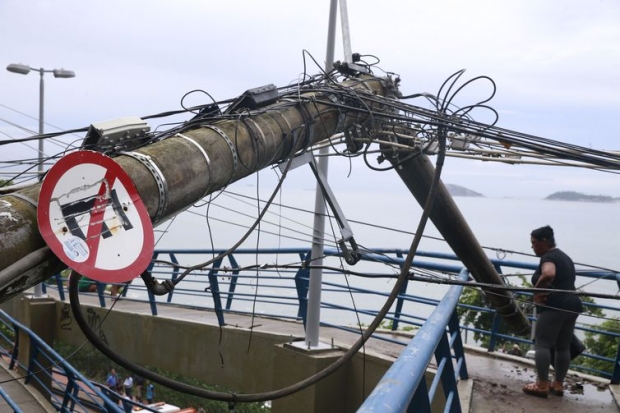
[352,254]
[204,153]
[231,145]
[23,198]
[162,185]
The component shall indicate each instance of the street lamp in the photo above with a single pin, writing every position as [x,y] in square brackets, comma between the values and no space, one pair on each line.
[61,73]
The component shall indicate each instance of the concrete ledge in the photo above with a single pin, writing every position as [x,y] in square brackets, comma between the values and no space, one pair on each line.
[614,389]
[466,390]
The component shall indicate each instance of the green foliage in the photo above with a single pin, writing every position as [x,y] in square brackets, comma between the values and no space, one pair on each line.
[484,320]
[602,345]
[94,365]
[389,325]
[6,331]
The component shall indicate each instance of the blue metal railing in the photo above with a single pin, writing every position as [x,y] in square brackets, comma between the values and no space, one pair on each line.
[9,401]
[404,384]
[231,288]
[65,388]
[42,361]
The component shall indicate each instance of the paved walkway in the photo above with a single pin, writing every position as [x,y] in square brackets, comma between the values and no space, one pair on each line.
[498,380]
[24,396]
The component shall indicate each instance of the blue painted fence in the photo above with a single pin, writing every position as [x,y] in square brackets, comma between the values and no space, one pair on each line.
[224,286]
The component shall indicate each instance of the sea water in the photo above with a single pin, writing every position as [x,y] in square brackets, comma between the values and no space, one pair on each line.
[586,231]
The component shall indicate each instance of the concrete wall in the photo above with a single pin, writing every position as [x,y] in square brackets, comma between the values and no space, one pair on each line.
[192,350]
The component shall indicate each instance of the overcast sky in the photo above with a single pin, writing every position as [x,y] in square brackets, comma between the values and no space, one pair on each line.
[556,65]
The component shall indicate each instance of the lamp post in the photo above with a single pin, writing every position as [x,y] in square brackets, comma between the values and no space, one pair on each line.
[61,73]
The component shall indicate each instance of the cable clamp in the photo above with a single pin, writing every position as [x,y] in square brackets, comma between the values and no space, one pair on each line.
[207,160]
[231,145]
[162,185]
[24,198]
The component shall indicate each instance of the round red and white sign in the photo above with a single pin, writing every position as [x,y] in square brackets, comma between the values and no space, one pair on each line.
[92,218]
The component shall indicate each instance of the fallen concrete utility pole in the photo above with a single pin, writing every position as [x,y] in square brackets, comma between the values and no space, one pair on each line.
[417,173]
[172,174]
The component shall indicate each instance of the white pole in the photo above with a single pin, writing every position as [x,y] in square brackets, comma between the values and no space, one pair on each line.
[313,317]
[346,34]
[38,288]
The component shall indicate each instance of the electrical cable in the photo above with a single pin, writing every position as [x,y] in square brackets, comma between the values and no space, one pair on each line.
[97,342]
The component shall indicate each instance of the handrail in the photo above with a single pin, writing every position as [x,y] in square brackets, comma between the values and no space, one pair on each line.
[404,384]
[9,401]
[223,299]
[77,386]
[226,282]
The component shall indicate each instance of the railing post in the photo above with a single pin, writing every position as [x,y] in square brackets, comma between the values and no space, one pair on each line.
[233,281]
[215,291]
[494,327]
[175,274]
[67,396]
[419,401]
[32,356]
[101,293]
[448,378]
[152,301]
[302,285]
[399,301]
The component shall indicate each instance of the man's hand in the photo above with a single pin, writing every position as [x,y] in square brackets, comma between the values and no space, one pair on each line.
[540,298]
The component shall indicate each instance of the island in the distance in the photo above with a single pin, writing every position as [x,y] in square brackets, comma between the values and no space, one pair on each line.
[578,196]
[457,190]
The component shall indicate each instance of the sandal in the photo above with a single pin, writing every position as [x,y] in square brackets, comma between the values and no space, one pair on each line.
[556,388]
[537,389]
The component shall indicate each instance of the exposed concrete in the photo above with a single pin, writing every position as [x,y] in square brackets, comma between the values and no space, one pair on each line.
[465,389]
[498,379]
[614,389]
[38,315]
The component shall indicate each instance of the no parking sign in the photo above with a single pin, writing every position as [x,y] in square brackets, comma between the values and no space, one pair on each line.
[93,219]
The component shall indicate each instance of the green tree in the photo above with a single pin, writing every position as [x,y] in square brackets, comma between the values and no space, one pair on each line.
[483,320]
[94,365]
[602,345]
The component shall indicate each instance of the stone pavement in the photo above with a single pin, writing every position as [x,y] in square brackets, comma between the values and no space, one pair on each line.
[498,379]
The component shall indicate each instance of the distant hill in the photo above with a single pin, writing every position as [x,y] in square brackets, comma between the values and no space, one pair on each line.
[578,196]
[456,190]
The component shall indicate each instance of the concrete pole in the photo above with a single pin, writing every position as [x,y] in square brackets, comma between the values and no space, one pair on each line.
[235,150]
[417,174]
[313,316]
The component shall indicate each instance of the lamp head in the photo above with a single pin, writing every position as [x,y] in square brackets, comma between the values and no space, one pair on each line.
[18,68]
[63,73]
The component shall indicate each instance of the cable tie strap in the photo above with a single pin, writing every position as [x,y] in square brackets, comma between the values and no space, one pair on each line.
[231,145]
[207,160]
[24,198]
[162,185]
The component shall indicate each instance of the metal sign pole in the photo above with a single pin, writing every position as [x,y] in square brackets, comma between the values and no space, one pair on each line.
[313,318]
